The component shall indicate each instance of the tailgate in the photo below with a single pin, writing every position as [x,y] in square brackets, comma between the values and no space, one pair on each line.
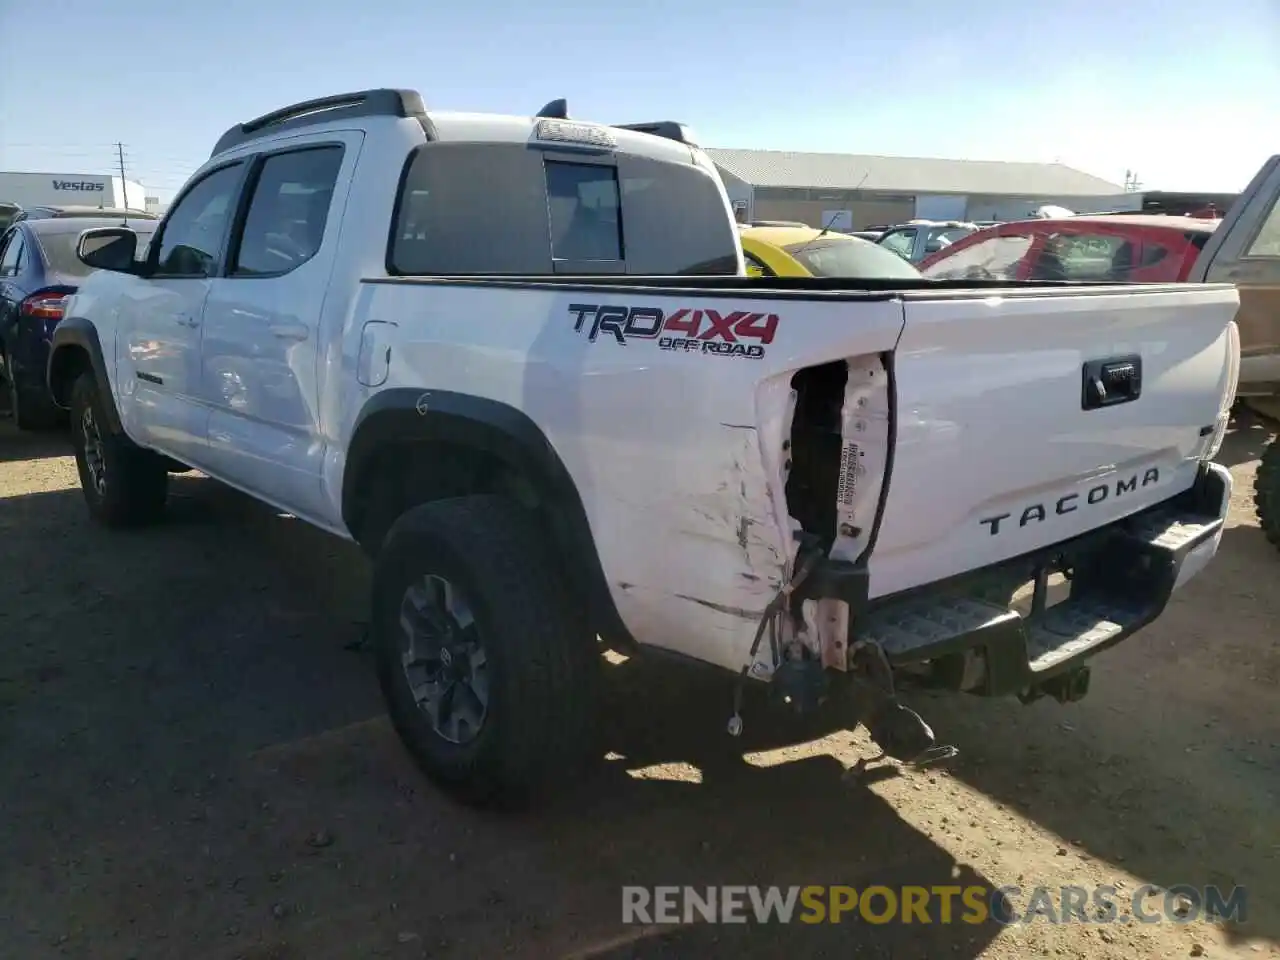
[1024,420]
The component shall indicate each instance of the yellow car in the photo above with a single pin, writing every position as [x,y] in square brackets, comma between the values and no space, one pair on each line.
[794,250]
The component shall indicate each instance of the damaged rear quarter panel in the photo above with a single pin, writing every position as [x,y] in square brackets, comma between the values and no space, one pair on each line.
[689,507]
[676,454]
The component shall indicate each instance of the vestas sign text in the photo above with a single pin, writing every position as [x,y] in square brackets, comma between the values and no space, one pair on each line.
[87,186]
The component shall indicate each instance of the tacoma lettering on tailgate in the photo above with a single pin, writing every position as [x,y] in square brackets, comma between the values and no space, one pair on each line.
[705,331]
[1039,512]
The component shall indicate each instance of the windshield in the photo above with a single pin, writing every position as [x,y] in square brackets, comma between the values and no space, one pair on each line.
[851,258]
[59,249]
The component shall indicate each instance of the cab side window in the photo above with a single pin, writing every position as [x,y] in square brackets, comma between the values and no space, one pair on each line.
[287,215]
[1267,242]
[192,235]
[11,255]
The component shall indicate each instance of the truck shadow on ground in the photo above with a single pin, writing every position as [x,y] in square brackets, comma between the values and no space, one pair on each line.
[213,692]
[251,801]
[549,882]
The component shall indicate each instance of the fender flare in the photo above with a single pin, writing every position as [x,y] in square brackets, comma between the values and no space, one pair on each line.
[404,415]
[78,334]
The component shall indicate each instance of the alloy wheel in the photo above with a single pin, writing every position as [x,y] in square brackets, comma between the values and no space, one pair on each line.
[94,459]
[443,658]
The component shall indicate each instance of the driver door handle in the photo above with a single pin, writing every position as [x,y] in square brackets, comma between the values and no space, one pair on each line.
[186,320]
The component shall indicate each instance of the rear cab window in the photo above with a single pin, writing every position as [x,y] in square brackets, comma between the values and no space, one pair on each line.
[584,206]
[513,209]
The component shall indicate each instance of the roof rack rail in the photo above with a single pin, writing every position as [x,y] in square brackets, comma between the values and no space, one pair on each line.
[667,129]
[382,102]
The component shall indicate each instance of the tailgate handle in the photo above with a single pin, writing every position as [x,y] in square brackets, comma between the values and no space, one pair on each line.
[1111,381]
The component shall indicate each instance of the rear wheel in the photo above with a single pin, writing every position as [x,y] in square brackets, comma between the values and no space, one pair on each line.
[1266,491]
[489,670]
[124,485]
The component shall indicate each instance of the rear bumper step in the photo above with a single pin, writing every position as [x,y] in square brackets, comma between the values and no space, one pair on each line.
[1122,578]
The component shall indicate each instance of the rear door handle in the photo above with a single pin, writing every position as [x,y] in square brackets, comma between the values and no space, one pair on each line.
[186,320]
[290,331]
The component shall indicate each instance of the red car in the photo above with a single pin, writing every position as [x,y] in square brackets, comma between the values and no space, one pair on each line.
[1121,248]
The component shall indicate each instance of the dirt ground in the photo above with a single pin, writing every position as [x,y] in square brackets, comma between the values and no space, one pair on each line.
[196,765]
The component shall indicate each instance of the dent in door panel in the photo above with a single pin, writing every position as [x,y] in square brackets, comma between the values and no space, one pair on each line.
[260,411]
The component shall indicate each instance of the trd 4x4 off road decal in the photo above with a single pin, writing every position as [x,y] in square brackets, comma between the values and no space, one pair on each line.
[701,331]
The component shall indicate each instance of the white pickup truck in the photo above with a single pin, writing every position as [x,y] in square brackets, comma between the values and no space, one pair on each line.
[518,360]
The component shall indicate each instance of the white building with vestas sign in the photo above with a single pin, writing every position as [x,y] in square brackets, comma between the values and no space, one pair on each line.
[70,189]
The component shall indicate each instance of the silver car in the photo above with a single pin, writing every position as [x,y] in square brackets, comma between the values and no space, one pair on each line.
[917,239]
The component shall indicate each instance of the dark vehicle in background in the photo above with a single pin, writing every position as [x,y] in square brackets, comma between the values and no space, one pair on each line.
[48,212]
[39,270]
[1129,248]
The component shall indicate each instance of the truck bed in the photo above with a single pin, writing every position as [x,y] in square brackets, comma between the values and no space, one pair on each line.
[920,429]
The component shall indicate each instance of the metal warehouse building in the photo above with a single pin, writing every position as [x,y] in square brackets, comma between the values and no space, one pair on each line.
[851,192]
[71,189]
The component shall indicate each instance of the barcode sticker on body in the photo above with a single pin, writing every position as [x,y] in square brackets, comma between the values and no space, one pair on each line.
[848,474]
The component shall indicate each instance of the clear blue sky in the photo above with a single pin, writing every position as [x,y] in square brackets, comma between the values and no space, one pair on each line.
[1185,92]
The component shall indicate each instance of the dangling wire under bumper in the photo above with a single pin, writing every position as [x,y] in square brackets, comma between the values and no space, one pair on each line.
[769,620]
[901,734]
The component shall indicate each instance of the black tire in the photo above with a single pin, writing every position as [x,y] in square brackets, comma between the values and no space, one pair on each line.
[1266,491]
[26,413]
[543,662]
[133,483]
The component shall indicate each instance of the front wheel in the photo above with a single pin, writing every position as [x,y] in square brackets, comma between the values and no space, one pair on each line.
[1266,491]
[124,485]
[488,669]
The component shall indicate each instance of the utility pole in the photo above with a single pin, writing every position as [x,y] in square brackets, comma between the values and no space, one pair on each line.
[124,188]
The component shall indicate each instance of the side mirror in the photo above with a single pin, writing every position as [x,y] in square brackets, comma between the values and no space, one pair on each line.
[108,248]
